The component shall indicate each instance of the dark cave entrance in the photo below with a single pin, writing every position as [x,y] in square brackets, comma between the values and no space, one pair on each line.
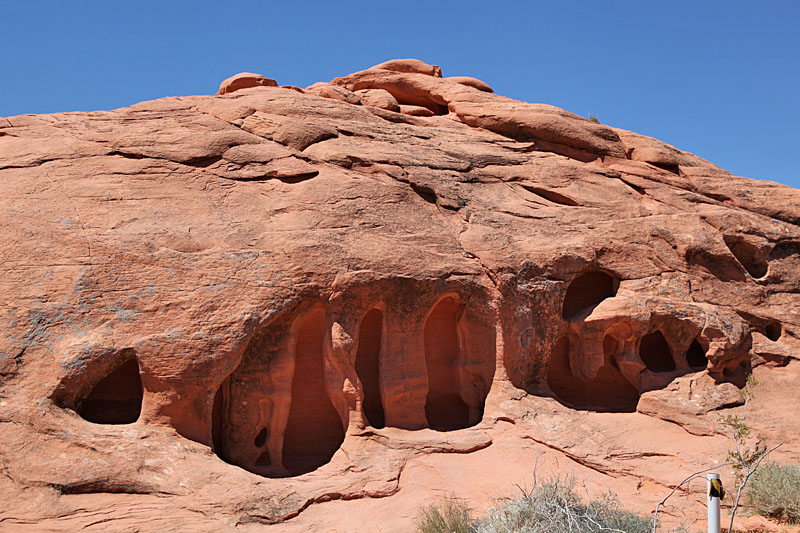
[314,430]
[117,398]
[445,410]
[607,391]
[368,366]
[586,292]
[696,356]
[656,353]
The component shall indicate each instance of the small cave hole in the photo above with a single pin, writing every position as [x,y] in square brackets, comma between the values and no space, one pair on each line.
[261,438]
[669,167]
[216,422]
[656,353]
[368,366]
[696,356]
[426,193]
[547,194]
[586,292]
[117,398]
[314,430]
[445,410]
[633,186]
[773,331]
[608,391]
[749,255]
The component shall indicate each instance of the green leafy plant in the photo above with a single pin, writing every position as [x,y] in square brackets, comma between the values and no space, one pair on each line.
[593,118]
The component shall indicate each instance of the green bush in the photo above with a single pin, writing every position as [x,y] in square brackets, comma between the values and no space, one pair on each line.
[552,506]
[774,491]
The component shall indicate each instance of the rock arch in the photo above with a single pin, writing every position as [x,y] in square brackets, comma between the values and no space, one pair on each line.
[368,360]
[219,420]
[655,352]
[696,356]
[586,292]
[314,430]
[445,409]
[115,399]
[750,256]
[607,391]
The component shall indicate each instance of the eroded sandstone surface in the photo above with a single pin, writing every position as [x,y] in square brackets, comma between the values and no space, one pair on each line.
[320,308]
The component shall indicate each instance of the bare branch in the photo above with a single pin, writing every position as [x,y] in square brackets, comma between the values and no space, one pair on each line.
[750,471]
[679,485]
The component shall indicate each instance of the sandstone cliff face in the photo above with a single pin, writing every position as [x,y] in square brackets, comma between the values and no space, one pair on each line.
[229,309]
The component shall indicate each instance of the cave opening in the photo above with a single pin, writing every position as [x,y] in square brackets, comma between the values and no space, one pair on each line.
[445,409]
[608,391]
[261,438]
[696,356]
[656,353]
[773,331]
[217,412]
[748,255]
[314,430]
[586,292]
[117,398]
[368,366]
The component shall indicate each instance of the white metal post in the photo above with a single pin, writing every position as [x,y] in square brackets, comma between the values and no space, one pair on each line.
[713,506]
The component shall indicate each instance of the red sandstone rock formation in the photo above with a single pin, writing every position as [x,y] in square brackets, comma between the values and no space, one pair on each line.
[320,307]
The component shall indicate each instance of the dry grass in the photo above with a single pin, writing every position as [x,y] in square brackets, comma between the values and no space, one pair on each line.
[552,506]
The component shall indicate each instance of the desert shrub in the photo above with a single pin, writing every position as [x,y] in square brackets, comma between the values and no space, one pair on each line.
[552,506]
[448,516]
[774,491]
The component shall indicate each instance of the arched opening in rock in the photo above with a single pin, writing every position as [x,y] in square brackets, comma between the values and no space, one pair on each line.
[750,257]
[117,398]
[773,331]
[696,356]
[368,366]
[586,292]
[656,353]
[314,430]
[218,421]
[261,438]
[608,391]
[445,410]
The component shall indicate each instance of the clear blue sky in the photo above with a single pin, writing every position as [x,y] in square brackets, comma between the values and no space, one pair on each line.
[720,79]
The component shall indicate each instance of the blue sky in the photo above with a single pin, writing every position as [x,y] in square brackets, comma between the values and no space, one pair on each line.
[717,78]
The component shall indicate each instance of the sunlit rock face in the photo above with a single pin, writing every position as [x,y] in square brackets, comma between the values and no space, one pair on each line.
[247,304]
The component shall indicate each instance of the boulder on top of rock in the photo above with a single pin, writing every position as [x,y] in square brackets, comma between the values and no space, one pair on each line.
[245,80]
[337,93]
[378,98]
[410,65]
[541,122]
[469,81]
